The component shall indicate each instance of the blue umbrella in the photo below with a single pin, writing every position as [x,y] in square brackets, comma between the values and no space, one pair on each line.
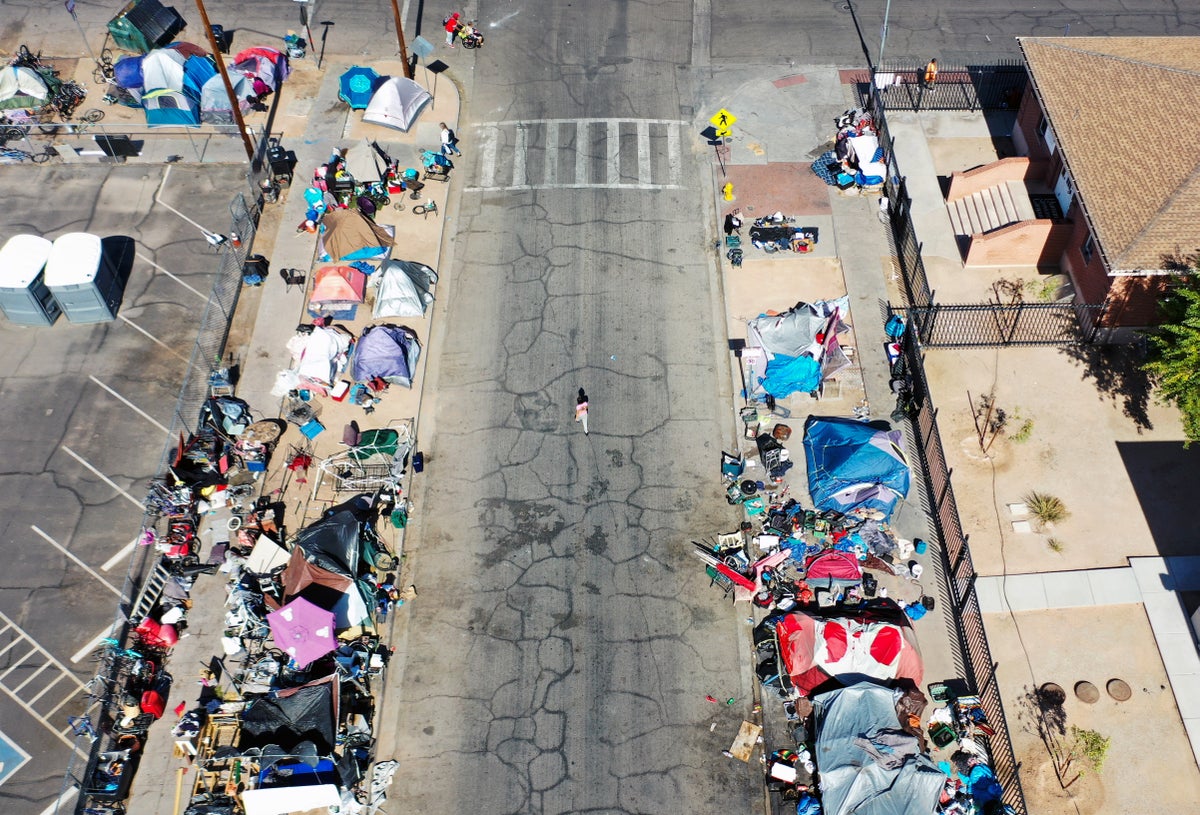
[357,86]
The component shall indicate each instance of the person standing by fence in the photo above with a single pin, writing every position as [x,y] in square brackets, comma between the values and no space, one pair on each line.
[931,74]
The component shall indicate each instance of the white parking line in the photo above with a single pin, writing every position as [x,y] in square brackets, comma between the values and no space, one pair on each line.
[91,646]
[177,279]
[132,406]
[77,561]
[153,338]
[102,476]
[121,555]
[58,805]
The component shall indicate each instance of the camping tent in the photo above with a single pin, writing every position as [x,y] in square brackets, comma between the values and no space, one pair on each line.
[832,569]
[853,465]
[396,103]
[386,351]
[215,107]
[404,289]
[21,88]
[333,543]
[329,590]
[347,234]
[166,108]
[335,286]
[868,765]
[268,64]
[877,644]
[163,68]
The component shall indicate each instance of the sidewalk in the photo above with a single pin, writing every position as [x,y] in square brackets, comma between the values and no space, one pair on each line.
[313,122]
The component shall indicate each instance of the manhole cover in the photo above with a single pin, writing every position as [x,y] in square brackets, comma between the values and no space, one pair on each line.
[1087,692]
[1051,694]
[1119,689]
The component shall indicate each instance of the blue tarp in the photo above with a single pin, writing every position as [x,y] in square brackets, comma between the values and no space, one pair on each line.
[853,465]
[787,375]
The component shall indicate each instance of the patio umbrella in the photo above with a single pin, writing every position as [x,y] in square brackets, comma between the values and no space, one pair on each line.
[357,86]
[303,630]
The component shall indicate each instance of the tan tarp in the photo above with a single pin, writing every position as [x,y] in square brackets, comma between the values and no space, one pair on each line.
[348,231]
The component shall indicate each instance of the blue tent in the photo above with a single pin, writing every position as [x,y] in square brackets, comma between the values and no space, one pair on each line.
[196,72]
[165,107]
[357,86]
[853,465]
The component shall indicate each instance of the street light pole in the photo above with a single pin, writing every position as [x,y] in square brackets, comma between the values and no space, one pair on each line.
[887,10]
[408,71]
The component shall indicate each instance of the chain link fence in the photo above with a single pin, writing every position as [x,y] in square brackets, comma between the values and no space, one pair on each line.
[207,354]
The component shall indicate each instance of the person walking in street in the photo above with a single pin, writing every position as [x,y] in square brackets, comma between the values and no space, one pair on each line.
[449,141]
[931,74]
[581,410]
[452,26]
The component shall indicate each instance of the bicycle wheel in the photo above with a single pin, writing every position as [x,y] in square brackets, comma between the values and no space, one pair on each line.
[44,156]
[49,128]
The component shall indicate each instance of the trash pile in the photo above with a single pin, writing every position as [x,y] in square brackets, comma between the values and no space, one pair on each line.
[285,713]
[857,160]
[837,593]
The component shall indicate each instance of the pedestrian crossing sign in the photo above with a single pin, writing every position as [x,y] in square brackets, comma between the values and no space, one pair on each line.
[723,121]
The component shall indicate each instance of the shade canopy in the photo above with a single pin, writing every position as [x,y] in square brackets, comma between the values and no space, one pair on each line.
[303,630]
[357,86]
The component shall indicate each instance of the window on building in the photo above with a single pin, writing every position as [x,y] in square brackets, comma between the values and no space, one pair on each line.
[1046,134]
[1089,246]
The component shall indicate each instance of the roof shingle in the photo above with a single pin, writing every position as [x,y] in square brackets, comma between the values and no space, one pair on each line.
[1124,112]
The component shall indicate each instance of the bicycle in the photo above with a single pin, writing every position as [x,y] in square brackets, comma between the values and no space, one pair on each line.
[111,649]
[11,155]
[105,71]
[82,726]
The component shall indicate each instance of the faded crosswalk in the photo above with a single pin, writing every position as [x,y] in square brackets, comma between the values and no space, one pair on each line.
[635,154]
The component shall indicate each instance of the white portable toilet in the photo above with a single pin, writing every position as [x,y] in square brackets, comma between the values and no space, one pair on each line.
[24,297]
[82,280]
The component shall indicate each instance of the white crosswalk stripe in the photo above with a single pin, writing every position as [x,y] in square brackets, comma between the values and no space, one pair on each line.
[635,154]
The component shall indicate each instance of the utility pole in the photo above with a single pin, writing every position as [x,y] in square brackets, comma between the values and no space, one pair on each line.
[408,72]
[233,100]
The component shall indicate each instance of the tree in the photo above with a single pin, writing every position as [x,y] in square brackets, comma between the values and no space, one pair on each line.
[1174,360]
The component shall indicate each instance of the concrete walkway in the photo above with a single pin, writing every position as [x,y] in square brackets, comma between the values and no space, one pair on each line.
[1155,582]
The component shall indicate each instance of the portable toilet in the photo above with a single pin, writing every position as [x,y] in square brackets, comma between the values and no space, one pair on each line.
[24,298]
[83,281]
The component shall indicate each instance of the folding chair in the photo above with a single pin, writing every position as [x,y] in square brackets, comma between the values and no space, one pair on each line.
[293,277]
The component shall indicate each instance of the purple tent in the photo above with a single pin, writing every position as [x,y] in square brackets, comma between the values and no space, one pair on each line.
[387,351]
[302,630]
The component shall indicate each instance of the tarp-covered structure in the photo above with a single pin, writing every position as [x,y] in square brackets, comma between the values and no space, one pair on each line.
[854,466]
[796,350]
[405,289]
[396,103]
[22,87]
[868,765]
[846,648]
[330,590]
[294,715]
[347,234]
[319,354]
[389,352]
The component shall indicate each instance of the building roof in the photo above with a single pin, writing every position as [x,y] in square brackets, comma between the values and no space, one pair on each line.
[1124,112]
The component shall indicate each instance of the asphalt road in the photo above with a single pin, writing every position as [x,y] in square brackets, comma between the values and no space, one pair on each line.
[86,409]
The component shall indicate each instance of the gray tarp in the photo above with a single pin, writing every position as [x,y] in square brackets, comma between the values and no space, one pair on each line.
[286,718]
[852,781]
[793,332]
[405,289]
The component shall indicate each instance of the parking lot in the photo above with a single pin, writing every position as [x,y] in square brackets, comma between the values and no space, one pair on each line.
[86,417]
